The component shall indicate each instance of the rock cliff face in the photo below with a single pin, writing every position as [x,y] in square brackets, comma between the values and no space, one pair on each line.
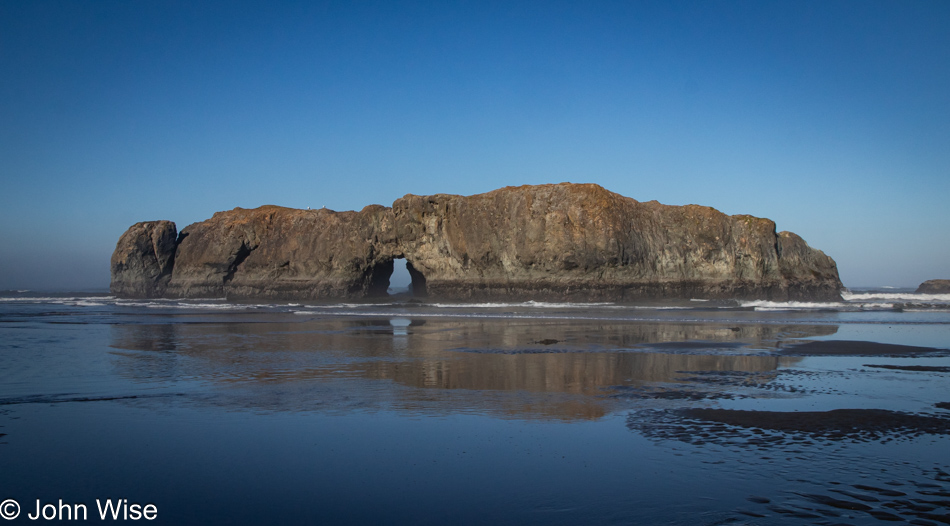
[935,286]
[284,253]
[143,259]
[547,242]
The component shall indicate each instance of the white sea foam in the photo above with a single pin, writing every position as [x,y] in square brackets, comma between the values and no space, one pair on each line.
[212,306]
[532,304]
[474,314]
[345,305]
[33,300]
[62,300]
[791,305]
[895,296]
[854,302]
[762,305]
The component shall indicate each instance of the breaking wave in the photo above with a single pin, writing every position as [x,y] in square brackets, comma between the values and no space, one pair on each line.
[527,304]
[78,301]
[910,297]
[874,302]
[860,301]
[762,305]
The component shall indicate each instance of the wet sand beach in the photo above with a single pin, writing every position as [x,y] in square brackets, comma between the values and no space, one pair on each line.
[224,413]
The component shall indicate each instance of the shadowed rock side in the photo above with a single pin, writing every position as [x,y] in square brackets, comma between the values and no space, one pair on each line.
[935,286]
[143,259]
[547,242]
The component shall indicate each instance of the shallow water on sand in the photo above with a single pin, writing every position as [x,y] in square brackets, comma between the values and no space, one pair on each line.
[401,413]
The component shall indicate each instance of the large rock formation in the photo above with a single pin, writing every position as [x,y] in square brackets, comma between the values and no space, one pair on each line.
[564,241]
[935,286]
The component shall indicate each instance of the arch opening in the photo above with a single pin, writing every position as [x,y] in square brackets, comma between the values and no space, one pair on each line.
[396,278]
[404,280]
[400,282]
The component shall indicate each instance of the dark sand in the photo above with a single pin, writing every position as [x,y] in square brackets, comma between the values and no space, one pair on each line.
[914,368]
[859,348]
[838,423]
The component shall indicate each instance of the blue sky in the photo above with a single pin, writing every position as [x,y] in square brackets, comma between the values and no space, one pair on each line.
[831,118]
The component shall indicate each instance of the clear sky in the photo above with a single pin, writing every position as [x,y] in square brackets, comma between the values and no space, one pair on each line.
[831,118]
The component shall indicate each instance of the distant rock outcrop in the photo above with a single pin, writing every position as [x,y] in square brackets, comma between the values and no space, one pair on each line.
[547,242]
[935,286]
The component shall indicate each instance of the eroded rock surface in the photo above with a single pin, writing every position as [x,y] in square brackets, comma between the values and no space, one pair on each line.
[563,241]
[935,286]
[143,259]
[583,242]
[284,253]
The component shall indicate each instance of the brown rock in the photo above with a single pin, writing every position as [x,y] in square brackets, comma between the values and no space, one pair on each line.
[285,253]
[547,242]
[583,242]
[935,286]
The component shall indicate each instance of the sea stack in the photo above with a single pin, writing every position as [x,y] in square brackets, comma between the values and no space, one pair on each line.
[564,241]
[935,286]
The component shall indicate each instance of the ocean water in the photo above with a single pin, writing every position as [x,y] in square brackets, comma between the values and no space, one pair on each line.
[407,412]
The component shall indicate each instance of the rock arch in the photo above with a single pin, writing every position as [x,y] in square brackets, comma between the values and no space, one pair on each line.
[563,241]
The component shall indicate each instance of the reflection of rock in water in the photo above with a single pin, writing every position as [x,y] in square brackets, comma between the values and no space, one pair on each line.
[569,381]
[437,335]
[157,337]
[519,335]
[559,372]
[161,346]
